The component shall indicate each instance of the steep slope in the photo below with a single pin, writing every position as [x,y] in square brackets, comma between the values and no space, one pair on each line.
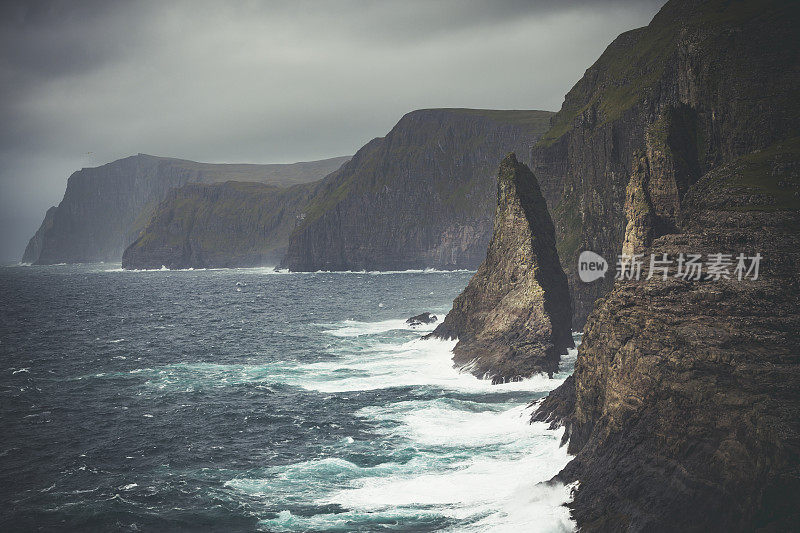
[233,224]
[513,319]
[684,408]
[703,83]
[36,244]
[420,197]
[104,208]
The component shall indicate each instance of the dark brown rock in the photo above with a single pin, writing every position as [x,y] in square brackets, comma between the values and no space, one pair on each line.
[422,318]
[684,410]
[705,82]
[513,319]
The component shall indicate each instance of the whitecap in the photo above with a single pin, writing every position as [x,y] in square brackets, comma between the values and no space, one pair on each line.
[417,362]
[480,463]
[354,328]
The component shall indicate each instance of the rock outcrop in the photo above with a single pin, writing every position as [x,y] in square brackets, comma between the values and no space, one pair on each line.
[233,224]
[514,317]
[105,208]
[684,138]
[422,318]
[705,82]
[420,197]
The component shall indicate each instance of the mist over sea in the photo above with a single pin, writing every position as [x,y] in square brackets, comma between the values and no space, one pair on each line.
[249,399]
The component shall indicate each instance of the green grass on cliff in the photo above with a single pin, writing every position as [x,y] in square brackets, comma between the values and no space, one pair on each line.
[229,220]
[773,171]
[631,67]
[628,68]
[766,180]
[326,201]
[569,214]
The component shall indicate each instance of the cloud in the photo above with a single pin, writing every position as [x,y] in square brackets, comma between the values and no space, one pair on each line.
[89,82]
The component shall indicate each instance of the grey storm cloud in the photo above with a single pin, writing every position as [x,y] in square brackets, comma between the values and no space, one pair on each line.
[84,83]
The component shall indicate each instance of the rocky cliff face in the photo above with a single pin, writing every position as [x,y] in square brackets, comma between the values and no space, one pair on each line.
[234,224]
[35,246]
[684,408]
[704,83]
[514,317]
[104,208]
[420,197]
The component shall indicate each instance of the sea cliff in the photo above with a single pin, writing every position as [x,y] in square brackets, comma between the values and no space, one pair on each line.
[422,196]
[684,410]
[105,208]
[705,82]
[232,224]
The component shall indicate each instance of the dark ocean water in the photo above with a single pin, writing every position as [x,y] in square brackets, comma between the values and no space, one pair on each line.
[240,400]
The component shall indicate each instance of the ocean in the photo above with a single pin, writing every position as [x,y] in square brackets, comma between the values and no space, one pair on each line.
[256,400]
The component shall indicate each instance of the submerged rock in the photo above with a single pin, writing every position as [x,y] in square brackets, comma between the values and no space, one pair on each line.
[514,317]
[423,318]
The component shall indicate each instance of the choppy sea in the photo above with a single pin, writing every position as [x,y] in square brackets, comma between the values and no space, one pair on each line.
[250,399]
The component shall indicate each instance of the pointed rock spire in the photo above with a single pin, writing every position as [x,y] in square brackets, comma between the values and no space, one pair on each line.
[514,317]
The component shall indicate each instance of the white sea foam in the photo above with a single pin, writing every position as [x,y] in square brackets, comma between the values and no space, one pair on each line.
[375,365]
[480,463]
[414,363]
[537,508]
[487,474]
[389,272]
[446,422]
[464,451]
[354,328]
[266,270]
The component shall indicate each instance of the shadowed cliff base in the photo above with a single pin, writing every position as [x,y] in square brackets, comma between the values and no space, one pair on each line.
[514,317]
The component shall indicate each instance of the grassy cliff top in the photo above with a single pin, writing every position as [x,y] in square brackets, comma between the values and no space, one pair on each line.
[633,65]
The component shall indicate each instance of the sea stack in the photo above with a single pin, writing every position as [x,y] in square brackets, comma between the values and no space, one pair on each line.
[514,318]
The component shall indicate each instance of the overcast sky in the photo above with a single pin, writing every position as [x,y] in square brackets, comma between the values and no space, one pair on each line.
[85,83]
